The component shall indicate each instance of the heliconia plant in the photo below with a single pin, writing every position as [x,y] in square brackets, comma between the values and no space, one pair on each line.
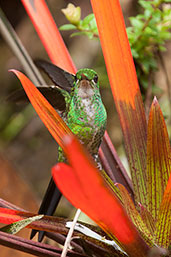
[140,224]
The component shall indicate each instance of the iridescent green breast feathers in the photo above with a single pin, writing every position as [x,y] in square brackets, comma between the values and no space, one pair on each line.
[85,113]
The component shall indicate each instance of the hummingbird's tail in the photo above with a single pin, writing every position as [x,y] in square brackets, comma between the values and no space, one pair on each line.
[48,205]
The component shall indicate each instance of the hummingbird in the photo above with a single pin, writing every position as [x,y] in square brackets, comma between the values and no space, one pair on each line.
[78,101]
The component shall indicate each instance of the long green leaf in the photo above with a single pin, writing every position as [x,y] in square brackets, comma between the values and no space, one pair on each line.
[18,225]
[163,226]
[134,215]
[147,218]
[158,159]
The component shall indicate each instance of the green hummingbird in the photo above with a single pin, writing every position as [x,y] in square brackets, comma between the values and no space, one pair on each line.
[77,99]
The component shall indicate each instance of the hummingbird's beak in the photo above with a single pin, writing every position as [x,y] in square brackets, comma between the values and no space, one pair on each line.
[85,89]
[85,84]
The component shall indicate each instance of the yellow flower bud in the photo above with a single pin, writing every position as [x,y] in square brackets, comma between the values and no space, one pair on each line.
[72,13]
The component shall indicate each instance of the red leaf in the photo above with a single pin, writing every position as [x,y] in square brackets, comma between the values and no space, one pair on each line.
[123,80]
[84,187]
[49,34]
[8,216]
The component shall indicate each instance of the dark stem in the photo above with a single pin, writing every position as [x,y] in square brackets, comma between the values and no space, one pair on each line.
[29,246]
[167,80]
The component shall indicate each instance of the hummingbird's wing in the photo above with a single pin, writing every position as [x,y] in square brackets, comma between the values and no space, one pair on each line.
[60,77]
[52,94]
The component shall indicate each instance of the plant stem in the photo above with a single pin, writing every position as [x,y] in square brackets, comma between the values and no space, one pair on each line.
[71,230]
[17,47]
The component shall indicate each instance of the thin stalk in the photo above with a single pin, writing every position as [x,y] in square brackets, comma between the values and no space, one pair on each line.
[31,247]
[71,230]
[17,47]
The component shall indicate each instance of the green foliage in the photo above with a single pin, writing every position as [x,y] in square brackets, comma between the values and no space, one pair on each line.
[147,36]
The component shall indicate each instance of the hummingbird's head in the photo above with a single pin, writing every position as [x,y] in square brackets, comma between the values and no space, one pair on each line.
[86,83]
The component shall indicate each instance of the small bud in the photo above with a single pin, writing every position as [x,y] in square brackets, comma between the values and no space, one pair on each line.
[72,13]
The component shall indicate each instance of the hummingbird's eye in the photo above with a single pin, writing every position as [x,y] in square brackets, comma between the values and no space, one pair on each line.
[95,78]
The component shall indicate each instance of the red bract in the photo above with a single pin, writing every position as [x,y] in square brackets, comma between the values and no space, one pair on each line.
[124,85]
[87,190]
[49,34]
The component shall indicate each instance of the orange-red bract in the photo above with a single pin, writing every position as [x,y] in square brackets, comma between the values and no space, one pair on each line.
[86,189]
[124,85]
[8,216]
[49,34]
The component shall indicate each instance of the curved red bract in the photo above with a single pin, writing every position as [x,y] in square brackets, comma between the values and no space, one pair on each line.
[83,185]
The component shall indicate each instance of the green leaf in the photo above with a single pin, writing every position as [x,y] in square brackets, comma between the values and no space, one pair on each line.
[146,4]
[93,24]
[87,19]
[17,226]
[134,53]
[147,13]
[158,159]
[138,24]
[148,63]
[148,219]
[67,27]
[134,214]
[165,35]
[163,225]
[162,48]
